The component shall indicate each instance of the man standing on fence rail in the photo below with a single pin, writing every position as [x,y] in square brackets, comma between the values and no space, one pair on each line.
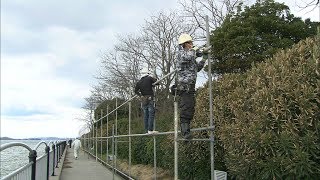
[76,147]
[187,68]
[144,89]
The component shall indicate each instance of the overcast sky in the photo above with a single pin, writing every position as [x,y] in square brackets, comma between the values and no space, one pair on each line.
[50,52]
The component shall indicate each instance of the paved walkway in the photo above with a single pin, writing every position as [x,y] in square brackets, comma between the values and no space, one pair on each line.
[84,168]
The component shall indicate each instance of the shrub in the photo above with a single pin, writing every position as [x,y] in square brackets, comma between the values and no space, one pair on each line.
[266,123]
[267,119]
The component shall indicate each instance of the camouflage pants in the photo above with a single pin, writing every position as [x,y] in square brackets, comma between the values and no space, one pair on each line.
[186,105]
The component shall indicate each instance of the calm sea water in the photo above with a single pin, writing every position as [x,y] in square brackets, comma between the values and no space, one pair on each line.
[15,157]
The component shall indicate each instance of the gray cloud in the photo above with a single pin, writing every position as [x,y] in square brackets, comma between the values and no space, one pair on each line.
[25,24]
[84,15]
[50,52]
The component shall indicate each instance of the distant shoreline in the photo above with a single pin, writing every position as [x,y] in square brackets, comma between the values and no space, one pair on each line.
[44,138]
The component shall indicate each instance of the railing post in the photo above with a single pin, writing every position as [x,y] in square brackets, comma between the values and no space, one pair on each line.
[116,139]
[54,158]
[154,150]
[92,139]
[96,142]
[101,134]
[61,150]
[113,151]
[88,143]
[33,158]
[129,138]
[175,140]
[210,102]
[63,147]
[58,153]
[48,160]
[107,134]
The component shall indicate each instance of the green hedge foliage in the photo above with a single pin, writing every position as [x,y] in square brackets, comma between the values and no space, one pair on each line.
[266,123]
[267,119]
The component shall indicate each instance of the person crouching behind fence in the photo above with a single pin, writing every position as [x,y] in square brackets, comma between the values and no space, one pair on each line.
[144,89]
[76,147]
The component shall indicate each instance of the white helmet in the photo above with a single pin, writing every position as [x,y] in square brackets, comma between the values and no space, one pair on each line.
[151,74]
[184,38]
[146,73]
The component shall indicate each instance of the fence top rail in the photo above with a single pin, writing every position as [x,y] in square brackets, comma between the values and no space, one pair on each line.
[59,142]
[162,78]
[37,146]
[17,171]
[117,107]
[209,128]
[51,142]
[12,144]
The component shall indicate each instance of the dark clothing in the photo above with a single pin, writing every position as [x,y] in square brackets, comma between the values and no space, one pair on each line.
[186,105]
[70,142]
[144,86]
[187,68]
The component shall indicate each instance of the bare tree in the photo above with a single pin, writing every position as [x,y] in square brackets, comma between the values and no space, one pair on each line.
[154,49]
[89,107]
[216,11]
[88,123]
[311,5]
[119,70]
[102,91]
[195,12]
[160,41]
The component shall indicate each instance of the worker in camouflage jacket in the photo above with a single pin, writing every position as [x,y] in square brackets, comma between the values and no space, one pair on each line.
[187,68]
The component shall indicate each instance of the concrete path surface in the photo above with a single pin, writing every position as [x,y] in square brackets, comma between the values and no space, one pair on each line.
[84,168]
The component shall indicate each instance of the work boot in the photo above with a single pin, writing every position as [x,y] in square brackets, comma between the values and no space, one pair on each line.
[153,132]
[185,131]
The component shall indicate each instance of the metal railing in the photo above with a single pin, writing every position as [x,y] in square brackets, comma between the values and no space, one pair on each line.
[37,168]
[214,174]
[114,138]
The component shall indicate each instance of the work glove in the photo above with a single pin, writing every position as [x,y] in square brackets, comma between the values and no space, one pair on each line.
[173,89]
[195,48]
[198,51]
[206,51]
[205,55]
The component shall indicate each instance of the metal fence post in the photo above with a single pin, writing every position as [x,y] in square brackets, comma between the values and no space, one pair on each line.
[116,139]
[92,139]
[175,140]
[48,160]
[101,133]
[96,141]
[33,158]
[113,168]
[154,152]
[129,138]
[107,134]
[64,146]
[58,153]
[210,102]
[54,158]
